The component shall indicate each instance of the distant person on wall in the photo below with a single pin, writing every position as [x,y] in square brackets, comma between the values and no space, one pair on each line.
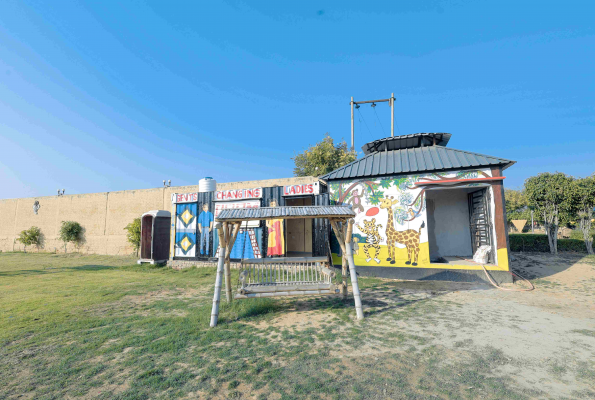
[275,229]
[205,226]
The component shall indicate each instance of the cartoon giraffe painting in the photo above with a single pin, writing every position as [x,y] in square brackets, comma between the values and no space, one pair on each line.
[409,237]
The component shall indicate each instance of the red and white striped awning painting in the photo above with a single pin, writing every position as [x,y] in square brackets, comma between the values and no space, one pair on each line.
[447,182]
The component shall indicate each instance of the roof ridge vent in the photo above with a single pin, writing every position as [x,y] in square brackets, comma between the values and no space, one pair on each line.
[407,142]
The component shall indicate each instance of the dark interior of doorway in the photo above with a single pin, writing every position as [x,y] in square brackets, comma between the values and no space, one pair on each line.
[298,232]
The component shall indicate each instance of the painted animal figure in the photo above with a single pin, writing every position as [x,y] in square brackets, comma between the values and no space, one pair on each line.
[409,237]
[373,239]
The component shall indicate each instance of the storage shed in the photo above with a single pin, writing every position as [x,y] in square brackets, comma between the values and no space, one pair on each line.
[423,209]
[154,243]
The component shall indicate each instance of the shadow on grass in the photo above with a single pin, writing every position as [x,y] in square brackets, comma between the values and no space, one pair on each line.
[54,270]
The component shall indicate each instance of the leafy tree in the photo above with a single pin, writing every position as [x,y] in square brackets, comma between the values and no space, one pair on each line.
[31,237]
[583,202]
[324,157]
[71,231]
[517,205]
[133,234]
[551,196]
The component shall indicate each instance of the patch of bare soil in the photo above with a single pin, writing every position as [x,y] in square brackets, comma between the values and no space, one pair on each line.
[545,336]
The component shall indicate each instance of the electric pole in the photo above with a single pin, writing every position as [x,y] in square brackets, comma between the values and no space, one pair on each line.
[355,104]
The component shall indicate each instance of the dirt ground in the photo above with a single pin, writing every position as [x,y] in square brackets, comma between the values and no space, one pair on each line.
[546,335]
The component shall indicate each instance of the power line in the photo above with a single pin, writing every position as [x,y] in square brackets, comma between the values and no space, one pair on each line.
[374,108]
[362,118]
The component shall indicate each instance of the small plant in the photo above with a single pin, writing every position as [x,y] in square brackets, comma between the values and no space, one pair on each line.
[30,237]
[71,231]
[133,234]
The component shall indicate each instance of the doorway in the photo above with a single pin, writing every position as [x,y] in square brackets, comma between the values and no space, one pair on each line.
[458,223]
[146,237]
[298,236]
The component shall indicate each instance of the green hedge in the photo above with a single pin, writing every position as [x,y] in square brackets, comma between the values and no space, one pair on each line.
[539,243]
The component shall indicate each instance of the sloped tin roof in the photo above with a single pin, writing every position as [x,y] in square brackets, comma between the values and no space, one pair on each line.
[251,214]
[414,160]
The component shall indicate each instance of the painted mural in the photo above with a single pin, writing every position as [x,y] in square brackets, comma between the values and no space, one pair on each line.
[391,224]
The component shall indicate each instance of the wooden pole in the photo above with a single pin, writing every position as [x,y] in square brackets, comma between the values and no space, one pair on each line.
[392,115]
[344,264]
[341,240]
[352,126]
[235,228]
[219,278]
[353,273]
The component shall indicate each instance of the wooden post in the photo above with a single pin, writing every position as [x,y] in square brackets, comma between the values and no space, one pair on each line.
[392,115]
[219,278]
[345,263]
[352,126]
[341,239]
[235,228]
[353,273]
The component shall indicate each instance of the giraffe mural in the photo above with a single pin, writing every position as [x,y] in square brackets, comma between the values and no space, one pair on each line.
[410,237]
[398,203]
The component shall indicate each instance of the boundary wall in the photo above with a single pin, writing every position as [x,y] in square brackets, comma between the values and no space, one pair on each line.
[102,215]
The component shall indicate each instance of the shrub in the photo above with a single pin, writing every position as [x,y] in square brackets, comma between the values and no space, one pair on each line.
[539,243]
[133,234]
[71,231]
[30,237]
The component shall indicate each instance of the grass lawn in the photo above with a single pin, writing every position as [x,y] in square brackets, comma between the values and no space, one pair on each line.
[102,327]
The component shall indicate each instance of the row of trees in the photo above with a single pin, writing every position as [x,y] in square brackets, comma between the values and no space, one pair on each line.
[557,200]
[70,232]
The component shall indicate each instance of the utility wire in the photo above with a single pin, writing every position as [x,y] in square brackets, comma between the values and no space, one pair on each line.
[396,122]
[383,131]
[362,118]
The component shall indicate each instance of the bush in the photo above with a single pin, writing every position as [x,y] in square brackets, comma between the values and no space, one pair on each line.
[71,231]
[133,234]
[539,243]
[30,237]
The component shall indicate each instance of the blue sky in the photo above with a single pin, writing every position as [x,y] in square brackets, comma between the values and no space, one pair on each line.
[114,95]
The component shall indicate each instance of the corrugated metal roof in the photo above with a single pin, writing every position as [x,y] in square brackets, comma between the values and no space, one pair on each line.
[414,160]
[251,214]
[407,142]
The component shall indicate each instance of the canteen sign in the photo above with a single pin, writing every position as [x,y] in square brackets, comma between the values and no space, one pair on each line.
[296,190]
[184,198]
[239,194]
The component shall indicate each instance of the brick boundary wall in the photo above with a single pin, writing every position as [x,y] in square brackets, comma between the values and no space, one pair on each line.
[102,215]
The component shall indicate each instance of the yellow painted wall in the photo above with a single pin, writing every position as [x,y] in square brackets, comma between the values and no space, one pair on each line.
[102,215]
[401,259]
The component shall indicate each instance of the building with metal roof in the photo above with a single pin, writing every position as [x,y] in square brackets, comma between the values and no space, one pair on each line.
[424,209]
[415,153]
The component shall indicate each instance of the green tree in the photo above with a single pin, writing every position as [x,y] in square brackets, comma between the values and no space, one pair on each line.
[324,157]
[551,195]
[517,206]
[583,194]
[71,231]
[133,234]
[30,237]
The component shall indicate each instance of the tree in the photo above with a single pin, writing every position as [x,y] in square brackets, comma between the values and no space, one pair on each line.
[71,231]
[30,237]
[583,193]
[324,157]
[551,196]
[517,206]
[133,234]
